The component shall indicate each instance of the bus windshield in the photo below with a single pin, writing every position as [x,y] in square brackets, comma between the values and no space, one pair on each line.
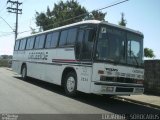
[116,45]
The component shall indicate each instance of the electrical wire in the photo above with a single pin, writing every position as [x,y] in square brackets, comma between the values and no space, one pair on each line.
[6,22]
[117,3]
[4,35]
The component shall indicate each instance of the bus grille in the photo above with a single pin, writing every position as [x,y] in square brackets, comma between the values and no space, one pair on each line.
[119,89]
[118,79]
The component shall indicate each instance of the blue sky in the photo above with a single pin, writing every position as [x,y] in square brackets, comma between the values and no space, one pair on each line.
[141,15]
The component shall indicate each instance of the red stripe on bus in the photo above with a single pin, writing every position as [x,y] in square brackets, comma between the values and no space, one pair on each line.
[64,60]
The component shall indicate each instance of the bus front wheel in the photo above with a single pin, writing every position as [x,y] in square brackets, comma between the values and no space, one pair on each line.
[70,85]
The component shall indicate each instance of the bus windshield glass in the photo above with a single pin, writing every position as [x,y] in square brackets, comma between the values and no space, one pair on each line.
[119,46]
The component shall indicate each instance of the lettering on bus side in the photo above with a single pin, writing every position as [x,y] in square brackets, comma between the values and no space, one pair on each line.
[84,79]
[84,74]
[137,71]
[112,69]
[38,56]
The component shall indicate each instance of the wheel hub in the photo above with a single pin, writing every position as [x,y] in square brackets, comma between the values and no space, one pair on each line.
[70,84]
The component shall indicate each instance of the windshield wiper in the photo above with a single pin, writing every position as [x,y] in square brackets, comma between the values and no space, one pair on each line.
[113,61]
[135,58]
[110,60]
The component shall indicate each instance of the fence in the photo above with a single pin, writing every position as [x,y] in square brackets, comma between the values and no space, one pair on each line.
[152,76]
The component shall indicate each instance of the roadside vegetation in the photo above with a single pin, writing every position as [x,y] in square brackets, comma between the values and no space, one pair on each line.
[5,60]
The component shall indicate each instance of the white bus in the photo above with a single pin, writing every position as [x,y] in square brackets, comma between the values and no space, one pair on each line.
[89,56]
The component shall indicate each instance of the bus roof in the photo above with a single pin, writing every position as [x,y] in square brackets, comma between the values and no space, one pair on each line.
[87,22]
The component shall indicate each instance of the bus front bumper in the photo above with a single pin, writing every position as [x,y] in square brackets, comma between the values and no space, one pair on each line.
[116,88]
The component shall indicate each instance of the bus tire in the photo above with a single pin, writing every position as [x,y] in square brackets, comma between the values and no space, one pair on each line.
[24,72]
[70,84]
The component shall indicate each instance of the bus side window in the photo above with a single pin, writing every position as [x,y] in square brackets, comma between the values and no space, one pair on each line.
[79,43]
[54,40]
[30,43]
[51,40]
[32,39]
[16,47]
[71,38]
[36,42]
[39,43]
[22,44]
[48,40]
[63,38]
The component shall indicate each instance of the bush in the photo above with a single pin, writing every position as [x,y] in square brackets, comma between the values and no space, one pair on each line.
[4,63]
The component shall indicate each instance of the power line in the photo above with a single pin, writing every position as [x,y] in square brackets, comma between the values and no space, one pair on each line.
[4,35]
[113,5]
[117,3]
[80,15]
[91,11]
[75,16]
[6,22]
[4,32]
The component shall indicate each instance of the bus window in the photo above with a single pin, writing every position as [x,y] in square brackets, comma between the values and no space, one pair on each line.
[39,41]
[36,42]
[16,45]
[30,43]
[22,44]
[79,43]
[134,49]
[87,47]
[63,38]
[54,40]
[111,44]
[48,40]
[71,38]
[51,40]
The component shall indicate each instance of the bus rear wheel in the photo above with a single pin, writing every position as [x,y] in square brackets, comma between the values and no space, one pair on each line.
[70,85]
[24,72]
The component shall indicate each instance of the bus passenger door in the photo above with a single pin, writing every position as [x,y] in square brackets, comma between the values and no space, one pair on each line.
[84,48]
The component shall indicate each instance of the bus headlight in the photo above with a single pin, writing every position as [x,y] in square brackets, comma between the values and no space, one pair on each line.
[139,90]
[110,89]
[107,89]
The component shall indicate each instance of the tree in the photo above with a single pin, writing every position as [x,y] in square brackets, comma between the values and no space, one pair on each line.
[123,21]
[6,56]
[148,53]
[61,11]
[98,15]
[62,14]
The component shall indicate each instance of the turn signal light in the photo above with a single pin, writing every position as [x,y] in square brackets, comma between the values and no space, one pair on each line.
[139,81]
[100,72]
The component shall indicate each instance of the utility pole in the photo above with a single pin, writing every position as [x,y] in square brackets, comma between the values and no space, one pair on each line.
[14,8]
